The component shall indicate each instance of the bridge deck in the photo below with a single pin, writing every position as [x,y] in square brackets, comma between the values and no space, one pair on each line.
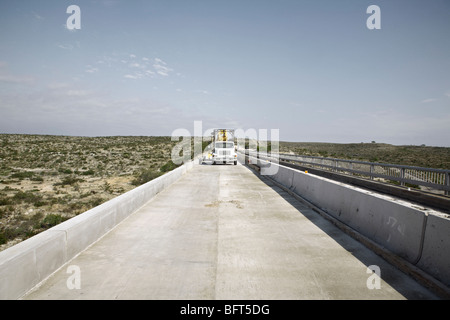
[221,232]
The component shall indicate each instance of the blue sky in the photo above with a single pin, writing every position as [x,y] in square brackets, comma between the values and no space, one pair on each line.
[311,69]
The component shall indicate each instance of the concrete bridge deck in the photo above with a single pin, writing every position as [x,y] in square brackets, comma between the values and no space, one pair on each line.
[221,232]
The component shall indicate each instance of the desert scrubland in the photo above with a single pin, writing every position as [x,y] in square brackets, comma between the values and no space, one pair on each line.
[45,180]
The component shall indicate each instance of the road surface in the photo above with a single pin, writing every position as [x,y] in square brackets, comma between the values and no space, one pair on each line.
[222,232]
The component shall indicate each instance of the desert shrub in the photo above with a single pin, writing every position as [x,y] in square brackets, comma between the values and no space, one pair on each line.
[27,197]
[6,235]
[4,201]
[68,181]
[107,187]
[145,176]
[51,220]
[89,172]
[22,229]
[95,202]
[74,207]
[3,212]
[169,166]
[22,175]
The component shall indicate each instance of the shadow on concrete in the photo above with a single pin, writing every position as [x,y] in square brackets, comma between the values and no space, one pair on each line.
[355,247]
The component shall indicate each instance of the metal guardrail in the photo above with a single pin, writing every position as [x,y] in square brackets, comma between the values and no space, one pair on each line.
[438,179]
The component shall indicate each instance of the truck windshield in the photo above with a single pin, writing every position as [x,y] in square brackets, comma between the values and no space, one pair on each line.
[225,145]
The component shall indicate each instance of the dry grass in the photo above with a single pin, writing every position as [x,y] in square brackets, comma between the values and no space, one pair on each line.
[47,179]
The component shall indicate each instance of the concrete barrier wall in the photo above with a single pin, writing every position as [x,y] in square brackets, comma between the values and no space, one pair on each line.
[420,236]
[436,248]
[396,226]
[26,264]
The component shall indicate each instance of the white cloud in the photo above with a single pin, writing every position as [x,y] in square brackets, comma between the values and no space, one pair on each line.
[65,46]
[136,75]
[91,69]
[163,73]
[160,67]
[428,100]
[37,16]
[130,66]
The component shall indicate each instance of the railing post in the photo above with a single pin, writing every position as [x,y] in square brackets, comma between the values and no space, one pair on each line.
[258,163]
[447,182]
[402,175]
[372,169]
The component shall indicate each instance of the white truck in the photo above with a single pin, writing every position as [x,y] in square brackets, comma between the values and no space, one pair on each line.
[223,147]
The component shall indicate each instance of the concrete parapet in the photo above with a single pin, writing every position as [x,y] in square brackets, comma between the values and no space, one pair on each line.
[26,264]
[283,176]
[436,248]
[394,224]
[419,235]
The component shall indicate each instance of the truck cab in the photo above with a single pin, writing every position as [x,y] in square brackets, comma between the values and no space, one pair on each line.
[224,152]
[223,147]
